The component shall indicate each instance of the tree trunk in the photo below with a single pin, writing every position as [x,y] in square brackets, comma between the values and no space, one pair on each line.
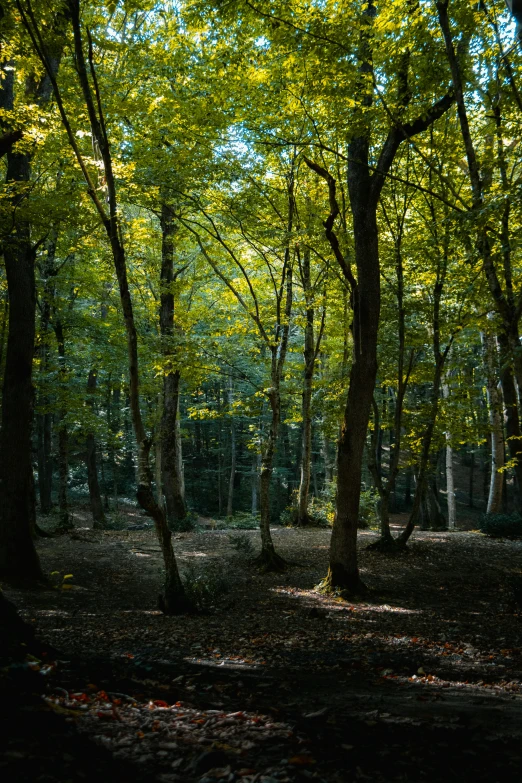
[63,435]
[513,431]
[173,493]
[98,516]
[494,500]
[18,558]
[269,557]
[174,598]
[3,333]
[230,498]
[45,465]
[471,478]
[450,484]
[113,431]
[425,449]
[309,354]
[343,570]
[256,470]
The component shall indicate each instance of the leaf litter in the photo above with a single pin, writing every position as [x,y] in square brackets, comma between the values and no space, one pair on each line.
[276,682]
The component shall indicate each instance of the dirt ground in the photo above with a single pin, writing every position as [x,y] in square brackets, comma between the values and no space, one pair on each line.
[421,680]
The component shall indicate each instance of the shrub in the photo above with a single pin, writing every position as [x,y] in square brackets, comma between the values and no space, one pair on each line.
[321,508]
[203,587]
[242,521]
[501,525]
[368,514]
[185,525]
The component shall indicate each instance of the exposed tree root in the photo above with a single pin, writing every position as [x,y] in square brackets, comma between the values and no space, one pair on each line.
[269,560]
[340,583]
[388,546]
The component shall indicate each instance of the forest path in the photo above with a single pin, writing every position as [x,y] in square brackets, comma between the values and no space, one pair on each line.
[421,681]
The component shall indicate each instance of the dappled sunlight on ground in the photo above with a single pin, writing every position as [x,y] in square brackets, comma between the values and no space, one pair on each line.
[438,635]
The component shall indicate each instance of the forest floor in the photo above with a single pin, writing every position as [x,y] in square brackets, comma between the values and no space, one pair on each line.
[420,681]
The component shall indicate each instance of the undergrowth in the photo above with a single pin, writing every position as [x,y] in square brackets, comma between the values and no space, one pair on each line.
[203,587]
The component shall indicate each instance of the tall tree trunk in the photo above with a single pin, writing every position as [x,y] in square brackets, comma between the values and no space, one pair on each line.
[510,314]
[513,431]
[174,597]
[256,470]
[44,454]
[65,522]
[113,431]
[3,333]
[309,354]
[364,189]
[98,516]
[494,499]
[18,559]
[471,478]
[232,475]
[173,493]
[44,417]
[450,483]
[424,461]
[269,558]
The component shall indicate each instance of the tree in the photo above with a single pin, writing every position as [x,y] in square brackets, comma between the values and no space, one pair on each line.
[18,558]
[173,600]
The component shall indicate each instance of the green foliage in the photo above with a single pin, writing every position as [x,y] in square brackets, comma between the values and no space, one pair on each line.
[321,508]
[185,525]
[203,587]
[241,521]
[501,525]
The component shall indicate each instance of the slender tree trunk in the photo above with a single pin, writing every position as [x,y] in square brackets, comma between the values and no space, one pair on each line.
[114,428]
[256,470]
[471,478]
[309,354]
[450,483]
[494,498]
[174,598]
[44,417]
[503,299]
[98,516]
[63,435]
[232,476]
[425,454]
[269,558]
[327,462]
[513,431]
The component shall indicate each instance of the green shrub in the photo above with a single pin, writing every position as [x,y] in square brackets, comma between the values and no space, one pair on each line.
[321,508]
[241,521]
[185,525]
[501,525]
[203,587]
[368,514]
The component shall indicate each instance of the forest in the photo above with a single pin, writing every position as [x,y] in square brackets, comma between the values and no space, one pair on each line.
[261,390]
